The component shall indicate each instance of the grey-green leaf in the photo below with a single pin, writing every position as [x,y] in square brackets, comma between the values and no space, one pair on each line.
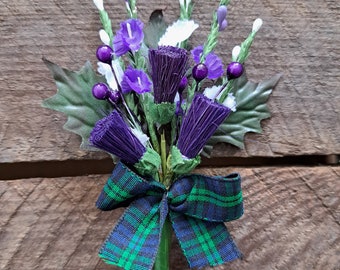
[154,29]
[251,101]
[74,99]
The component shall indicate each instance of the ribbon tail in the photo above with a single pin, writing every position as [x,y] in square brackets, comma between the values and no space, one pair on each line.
[204,243]
[133,243]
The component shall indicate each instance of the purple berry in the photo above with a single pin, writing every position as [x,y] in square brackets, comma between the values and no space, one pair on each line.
[199,72]
[104,54]
[100,91]
[234,70]
[114,96]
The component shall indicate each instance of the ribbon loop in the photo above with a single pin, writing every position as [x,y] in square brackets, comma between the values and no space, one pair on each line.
[217,199]
[123,186]
[133,243]
[204,243]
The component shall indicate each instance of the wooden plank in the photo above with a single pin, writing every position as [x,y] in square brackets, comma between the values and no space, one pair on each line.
[291,221]
[299,40]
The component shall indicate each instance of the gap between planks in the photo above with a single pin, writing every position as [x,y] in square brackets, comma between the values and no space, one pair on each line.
[52,169]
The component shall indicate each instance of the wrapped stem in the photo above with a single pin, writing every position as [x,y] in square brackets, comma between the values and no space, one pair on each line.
[163,259]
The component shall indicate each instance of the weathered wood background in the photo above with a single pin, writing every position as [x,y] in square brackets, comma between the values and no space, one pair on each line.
[292,216]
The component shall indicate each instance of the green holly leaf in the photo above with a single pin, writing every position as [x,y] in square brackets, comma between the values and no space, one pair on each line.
[251,107]
[74,99]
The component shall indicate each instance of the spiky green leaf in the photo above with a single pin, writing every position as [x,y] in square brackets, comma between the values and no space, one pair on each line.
[74,99]
[251,101]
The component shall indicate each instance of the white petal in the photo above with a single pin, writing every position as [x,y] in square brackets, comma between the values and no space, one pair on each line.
[212,92]
[99,4]
[103,68]
[118,70]
[140,136]
[235,52]
[104,37]
[257,24]
[176,98]
[179,31]
[230,102]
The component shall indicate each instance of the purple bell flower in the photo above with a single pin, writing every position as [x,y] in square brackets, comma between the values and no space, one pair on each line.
[129,37]
[212,62]
[135,80]
[199,124]
[168,66]
[112,135]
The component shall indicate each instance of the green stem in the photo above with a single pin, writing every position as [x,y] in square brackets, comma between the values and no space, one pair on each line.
[163,155]
[162,259]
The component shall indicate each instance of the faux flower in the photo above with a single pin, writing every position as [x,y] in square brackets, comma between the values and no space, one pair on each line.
[178,32]
[212,61]
[221,17]
[199,124]
[106,70]
[235,53]
[135,80]
[99,4]
[212,92]
[112,135]
[257,24]
[168,66]
[104,37]
[129,37]
[230,102]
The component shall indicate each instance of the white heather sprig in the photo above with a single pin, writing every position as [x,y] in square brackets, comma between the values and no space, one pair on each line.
[186,9]
[104,18]
[99,4]
[104,37]
[257,24]
[245,46]
[235,53]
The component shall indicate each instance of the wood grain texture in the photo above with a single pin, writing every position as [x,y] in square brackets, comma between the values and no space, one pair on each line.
[291,221]
[300,40]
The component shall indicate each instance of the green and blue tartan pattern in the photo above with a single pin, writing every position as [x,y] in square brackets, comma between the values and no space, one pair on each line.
[196,204]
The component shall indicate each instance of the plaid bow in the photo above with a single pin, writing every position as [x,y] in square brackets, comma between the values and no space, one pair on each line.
[196,204]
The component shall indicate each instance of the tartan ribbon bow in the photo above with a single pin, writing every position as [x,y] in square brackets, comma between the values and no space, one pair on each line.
[197,206]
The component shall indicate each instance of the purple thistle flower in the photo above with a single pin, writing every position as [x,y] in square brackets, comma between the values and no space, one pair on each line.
[135,80]
[199,124]
[212,62]
[221,17]
[112,135]
[168,66]
[129,37]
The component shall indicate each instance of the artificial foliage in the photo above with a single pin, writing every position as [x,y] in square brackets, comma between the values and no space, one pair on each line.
[156,106]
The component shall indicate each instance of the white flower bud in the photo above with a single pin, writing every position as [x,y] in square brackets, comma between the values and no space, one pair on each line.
[140,136]
[235,52]
[212,92]
[104,37]
[257,24]
[99,4]
[230,102]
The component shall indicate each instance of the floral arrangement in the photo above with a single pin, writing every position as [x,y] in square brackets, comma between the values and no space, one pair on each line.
[156,108]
